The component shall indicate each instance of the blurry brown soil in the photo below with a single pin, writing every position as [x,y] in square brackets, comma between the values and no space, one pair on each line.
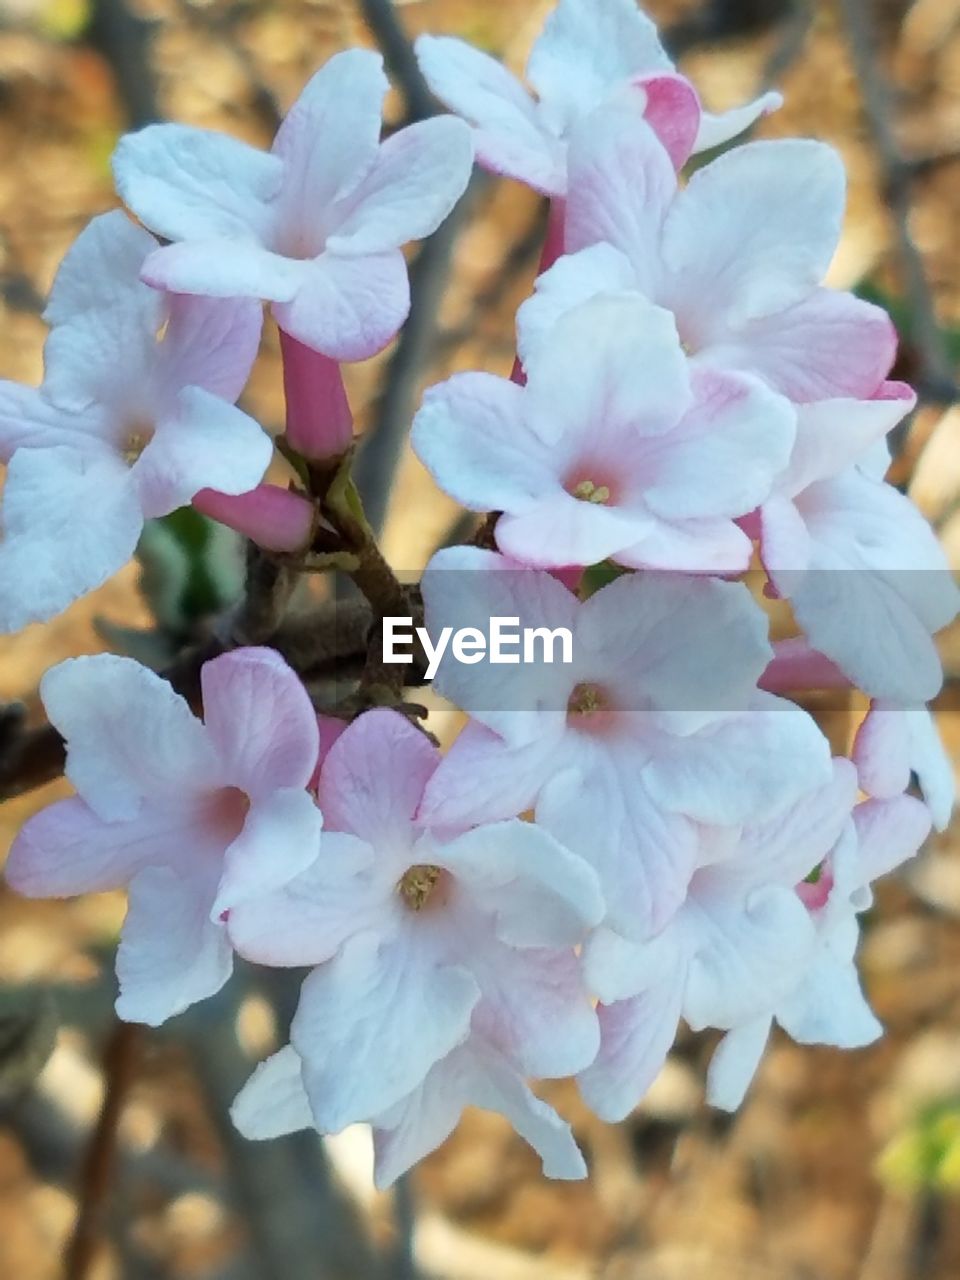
[786,1190]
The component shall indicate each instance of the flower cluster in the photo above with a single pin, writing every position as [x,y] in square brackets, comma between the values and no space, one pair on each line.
[651,832]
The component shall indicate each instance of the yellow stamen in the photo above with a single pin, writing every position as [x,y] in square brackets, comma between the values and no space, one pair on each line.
[587,700]
[134,444]
[417,885]
[587,491]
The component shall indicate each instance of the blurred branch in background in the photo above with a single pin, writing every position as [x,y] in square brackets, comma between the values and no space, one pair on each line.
[934,379]
[98,1172]
[394,409]
[123,38]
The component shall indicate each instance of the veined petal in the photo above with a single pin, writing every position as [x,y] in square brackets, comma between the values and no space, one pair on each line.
[70,520]
[171,955]
[225,268]
[280,838]
[205,444]
[101,704]
[274,1101]
[195,184]
[354,1025]
[636,1036]
[209,343]
[417,177]
[348,307]
[261,720]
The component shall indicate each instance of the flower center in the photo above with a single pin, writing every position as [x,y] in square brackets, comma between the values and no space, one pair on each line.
[587,491]
[418,884]
[587,700]
[227,813]
[134,441]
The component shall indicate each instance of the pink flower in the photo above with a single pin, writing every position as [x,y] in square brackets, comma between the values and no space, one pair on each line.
[866,577]
[315,225]
[590,51]
[134,416]
[825,1004]
[275,1101]
[894,742]
[737,255]
[655,726]
[420,937]
[191,817]
[736,946]
[613,449]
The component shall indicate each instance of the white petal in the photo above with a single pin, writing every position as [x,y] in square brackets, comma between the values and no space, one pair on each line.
[715,129]
[260,719]
[101,272]
[573,279]
[225,268]
[419,174]
[194,184]
[206,443]
[586,49]
[329,138]
[348,308]
[171,955]
[754,232]
[537,892]
[355,1025]
[70,521]
[210,343]
[636,1036]
[734,1063]
[280,838]
[508,135]
[129,735]
[473,1075]
[274,1101]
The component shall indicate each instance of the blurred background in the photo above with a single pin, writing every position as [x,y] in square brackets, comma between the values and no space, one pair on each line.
[839,1166]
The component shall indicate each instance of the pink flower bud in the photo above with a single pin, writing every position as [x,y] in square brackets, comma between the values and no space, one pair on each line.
[274,518]
[319,421]
[796,666]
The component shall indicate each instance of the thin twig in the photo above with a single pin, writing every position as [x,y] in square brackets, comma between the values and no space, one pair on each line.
[383,448]
[387,29]
[119,1066]
[935,380]
[123,38]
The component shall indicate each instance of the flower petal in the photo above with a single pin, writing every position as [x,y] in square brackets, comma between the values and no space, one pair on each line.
[636,1036]
[537,892]
[473,1075]
[66,849]
[588,48]
[329,138]
[754,232]
[206,443]
[827,346]
[195,184]
[274,1101]
[508,136]
[308,920]
[716,129]
[210,343]
[353,1027]
[362,788]
[419,174]
[129,735]
[734,1063]
[225,268]
[171,955]
[70,521]
[280,838]
[348,308]
[261,720]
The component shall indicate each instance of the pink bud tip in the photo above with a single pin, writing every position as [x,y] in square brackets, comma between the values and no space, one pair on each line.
[796,666]
[319,421]
[274,518]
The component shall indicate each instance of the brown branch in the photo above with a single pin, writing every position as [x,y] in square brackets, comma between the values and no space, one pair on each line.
[387,29]
[119,1065]
[935,381]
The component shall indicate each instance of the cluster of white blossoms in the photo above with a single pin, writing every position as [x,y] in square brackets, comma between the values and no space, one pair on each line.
[650,833]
